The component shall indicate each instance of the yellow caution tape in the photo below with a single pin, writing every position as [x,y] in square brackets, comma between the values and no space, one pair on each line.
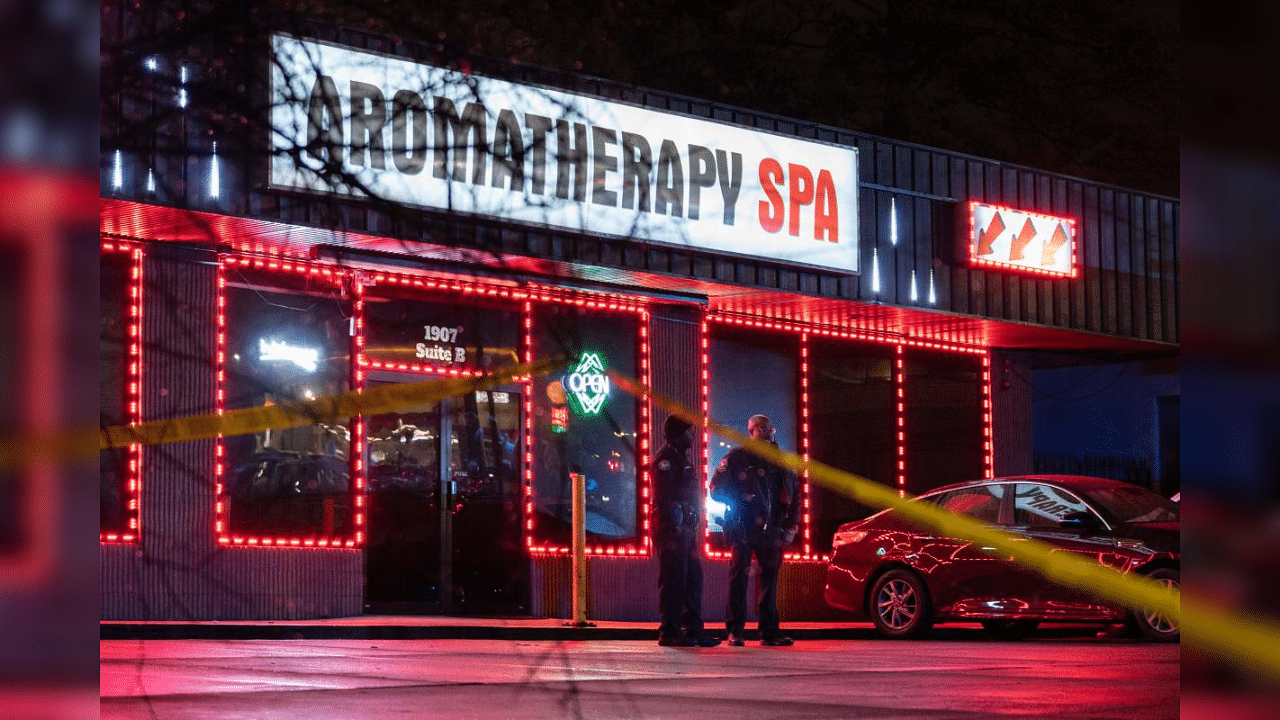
[55,447]
[370,401]
[1249,641]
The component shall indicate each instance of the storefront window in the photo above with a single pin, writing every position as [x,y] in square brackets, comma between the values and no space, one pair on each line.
[463,335]
[114,280]
[750,373]
[853,426]
[944,440]
[584,425]
[288,338]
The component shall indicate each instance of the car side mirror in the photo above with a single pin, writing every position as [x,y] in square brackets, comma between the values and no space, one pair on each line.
[1079,520]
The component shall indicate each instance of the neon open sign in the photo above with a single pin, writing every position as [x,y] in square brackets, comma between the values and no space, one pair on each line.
[587,385]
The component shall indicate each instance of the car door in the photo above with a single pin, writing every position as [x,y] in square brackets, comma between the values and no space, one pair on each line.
[1038,511]
[967,577]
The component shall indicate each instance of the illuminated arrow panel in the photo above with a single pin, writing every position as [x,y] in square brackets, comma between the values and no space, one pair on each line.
[1007,238]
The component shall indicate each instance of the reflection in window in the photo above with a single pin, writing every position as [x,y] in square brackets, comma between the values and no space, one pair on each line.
[751,373]
[583,425]
[1037,505]
[287,339]
[404,452]
[484,444]
[854,426]
[980,503]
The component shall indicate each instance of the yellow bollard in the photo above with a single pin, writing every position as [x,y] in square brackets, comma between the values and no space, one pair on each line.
[578,486]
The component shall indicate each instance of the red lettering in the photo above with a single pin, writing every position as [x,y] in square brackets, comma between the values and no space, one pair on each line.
[771,212]
[826,211]
[801,194]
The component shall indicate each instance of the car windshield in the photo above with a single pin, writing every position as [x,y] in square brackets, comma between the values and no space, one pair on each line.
[1132,504]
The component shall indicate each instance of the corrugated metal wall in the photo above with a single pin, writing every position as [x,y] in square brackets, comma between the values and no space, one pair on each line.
[626,590]
[177,571]
[1011,418]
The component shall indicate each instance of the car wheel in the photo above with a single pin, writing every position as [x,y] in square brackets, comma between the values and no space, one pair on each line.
[1153,625]
[900,605]
[1010,629]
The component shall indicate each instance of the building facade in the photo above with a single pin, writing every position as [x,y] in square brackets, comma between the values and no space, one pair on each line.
[395,219]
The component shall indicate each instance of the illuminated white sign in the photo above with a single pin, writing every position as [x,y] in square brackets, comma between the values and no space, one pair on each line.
[279,351]
[1003,237]
[436,138]
[438,334]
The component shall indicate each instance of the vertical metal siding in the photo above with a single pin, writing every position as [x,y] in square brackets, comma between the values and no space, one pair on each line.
[1011,415]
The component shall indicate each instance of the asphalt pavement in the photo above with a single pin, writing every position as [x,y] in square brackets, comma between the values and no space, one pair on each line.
[956,674]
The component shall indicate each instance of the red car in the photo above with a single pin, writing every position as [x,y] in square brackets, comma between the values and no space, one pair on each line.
[906,579]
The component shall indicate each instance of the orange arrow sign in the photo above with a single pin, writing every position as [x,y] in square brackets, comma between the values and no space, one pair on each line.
[1019,244]
[988,237]
[1051,248]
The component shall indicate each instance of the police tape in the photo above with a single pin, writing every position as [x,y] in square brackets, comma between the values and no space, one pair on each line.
[1232,635]
[1245,640]
[336,408]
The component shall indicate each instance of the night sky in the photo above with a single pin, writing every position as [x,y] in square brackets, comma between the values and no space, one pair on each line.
[1087,88]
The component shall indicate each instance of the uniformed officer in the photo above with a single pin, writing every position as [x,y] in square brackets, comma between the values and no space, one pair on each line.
[678,505]
[762,519]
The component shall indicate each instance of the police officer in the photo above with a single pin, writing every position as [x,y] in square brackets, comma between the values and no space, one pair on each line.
[762,519]
[678,504]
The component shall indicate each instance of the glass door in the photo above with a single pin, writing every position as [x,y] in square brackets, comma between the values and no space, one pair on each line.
[444,511]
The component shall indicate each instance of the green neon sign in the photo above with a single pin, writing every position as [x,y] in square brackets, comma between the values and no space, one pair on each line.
[588,385]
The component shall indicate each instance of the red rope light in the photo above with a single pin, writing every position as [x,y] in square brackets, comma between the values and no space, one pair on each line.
[337,276]
[606,303]
[804,442]
[900,381]
[133,393]
[987,434]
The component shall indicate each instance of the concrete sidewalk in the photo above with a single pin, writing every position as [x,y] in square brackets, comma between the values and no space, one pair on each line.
[413,627]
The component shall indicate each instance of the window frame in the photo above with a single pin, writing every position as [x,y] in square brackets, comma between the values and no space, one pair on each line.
[132,387]
[343,280]
[641,544]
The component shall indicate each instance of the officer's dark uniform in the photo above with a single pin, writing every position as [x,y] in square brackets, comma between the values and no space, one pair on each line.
[764,525]
[678,505]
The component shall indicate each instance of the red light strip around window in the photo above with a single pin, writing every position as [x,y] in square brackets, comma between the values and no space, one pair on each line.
[133,394]
[222,530]
[805,484]
[900,384]
[527,319]
[807,332]
[988,457]
[868,335]
[445,286]
[357,430]
[1014,267]
[609,303]
[804,434]
[704,340]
